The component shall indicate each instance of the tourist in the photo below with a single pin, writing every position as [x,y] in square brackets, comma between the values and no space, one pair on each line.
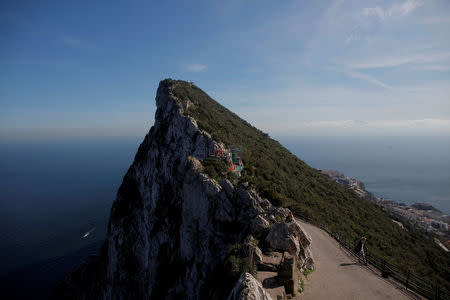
[361,251]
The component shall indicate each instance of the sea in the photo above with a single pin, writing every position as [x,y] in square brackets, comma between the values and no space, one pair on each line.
[52,193]
[404,169]
[55,191]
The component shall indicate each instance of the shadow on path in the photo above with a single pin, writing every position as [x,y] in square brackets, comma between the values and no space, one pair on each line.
[270,283]
[350,264]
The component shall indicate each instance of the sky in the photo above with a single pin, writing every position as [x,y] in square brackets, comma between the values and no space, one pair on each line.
[316,68]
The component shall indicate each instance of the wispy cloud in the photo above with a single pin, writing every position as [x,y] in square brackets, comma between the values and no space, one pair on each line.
[368,78]
[395,10]
[435,68]
[410,109]
[405,8]
[396,60]
[196,67]
[333,124]
[394,127]
[439,123]
[354,35]
[374,11]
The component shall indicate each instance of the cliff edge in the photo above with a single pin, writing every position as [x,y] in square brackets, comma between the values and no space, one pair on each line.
[177,233]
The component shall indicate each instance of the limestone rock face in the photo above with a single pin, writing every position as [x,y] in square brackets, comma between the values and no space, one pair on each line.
[292,238]
[259,224]
[171,224]
[248,288]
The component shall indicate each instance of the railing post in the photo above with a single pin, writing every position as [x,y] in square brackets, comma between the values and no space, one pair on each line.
[437,293]
[407,279]
[252,263]
[339,240]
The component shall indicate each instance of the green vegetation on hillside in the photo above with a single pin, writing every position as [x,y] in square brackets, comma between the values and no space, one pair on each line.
[286,180]
[215,168]
[237,262]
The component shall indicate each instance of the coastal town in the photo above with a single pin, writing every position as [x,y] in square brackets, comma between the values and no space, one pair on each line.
[422,215]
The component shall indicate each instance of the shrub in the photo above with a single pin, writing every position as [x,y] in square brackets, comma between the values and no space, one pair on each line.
[301,287]
[236,261]
[306,272]
[215,168]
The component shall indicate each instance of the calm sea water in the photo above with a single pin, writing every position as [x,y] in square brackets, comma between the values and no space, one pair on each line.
[52,192]
[55,191]
[405,169]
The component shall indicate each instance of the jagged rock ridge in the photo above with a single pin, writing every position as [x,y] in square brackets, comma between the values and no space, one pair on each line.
[171,225]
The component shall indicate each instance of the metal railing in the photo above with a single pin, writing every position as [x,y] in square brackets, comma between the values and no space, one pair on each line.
[405,277]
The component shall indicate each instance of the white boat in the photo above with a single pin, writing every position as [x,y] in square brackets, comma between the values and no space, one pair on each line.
[88,233]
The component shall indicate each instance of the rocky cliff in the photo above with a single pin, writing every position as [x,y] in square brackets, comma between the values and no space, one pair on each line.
[176,233]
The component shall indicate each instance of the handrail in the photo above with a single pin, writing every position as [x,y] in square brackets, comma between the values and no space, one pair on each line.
[410,280]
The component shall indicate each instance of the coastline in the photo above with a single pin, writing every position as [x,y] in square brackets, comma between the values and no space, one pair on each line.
[422,215]
[406,169]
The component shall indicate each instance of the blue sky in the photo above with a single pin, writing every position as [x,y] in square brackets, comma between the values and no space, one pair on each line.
[91,68]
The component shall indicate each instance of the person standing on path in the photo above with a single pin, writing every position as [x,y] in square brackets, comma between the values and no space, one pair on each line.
[361,251]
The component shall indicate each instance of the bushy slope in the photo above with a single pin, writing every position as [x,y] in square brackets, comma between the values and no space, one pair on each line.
[286,180]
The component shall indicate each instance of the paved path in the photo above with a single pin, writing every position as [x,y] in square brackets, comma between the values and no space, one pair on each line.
[338,276]
[270,284]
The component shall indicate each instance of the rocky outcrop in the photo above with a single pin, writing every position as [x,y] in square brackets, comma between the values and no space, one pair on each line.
[271,262]
[292,238]
[248,288]
[171,225]
[259,224]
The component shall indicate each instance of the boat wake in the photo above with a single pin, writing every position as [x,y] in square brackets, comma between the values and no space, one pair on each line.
[88,233]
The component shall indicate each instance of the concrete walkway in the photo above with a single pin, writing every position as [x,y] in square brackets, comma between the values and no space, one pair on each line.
[339,276]
[270,284]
